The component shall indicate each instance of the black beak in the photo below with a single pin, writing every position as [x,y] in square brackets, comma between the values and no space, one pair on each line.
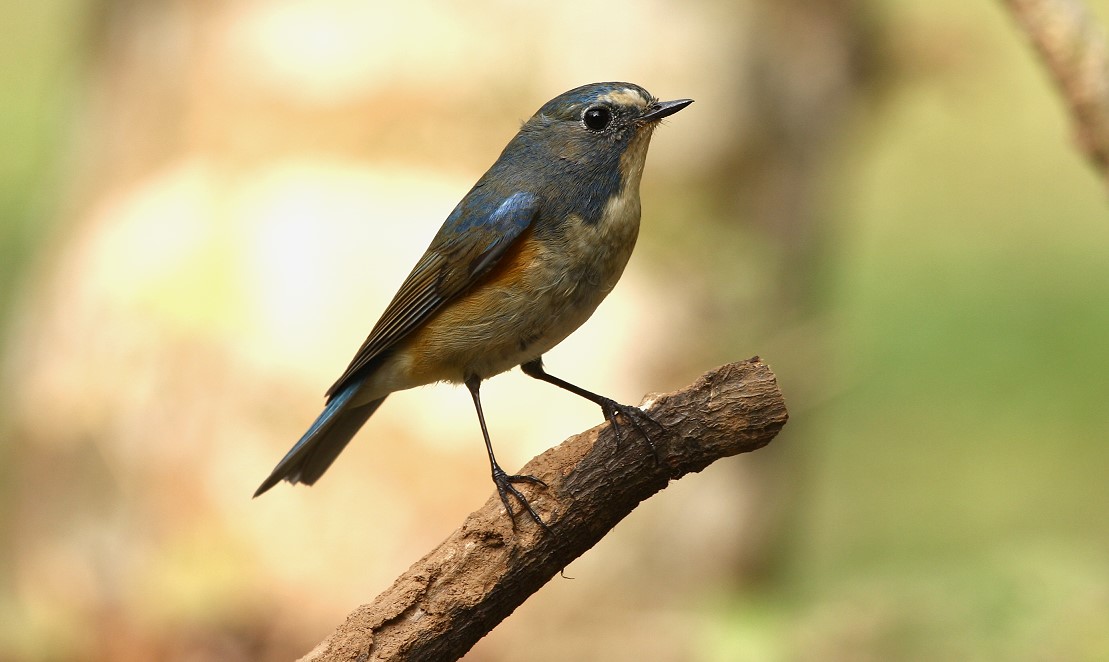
[661,109]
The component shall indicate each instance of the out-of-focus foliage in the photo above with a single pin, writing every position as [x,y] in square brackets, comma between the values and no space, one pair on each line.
[204,206]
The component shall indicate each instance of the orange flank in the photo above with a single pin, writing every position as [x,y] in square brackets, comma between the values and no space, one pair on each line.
[472,329]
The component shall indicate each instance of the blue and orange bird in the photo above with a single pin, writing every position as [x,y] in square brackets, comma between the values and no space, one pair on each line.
[520,263]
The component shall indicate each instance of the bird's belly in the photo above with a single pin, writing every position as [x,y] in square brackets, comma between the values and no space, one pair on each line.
[530,303]
[499,326]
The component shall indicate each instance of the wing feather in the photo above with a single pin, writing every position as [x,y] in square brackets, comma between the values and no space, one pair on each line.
[474,237]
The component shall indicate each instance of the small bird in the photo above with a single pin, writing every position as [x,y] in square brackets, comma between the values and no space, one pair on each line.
[522,261]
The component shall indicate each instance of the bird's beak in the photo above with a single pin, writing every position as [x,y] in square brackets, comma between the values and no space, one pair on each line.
[661,109]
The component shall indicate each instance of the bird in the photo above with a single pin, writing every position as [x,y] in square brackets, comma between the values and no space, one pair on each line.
[520,263]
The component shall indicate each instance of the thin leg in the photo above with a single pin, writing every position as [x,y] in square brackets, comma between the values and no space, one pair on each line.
[609,407]
[502,480]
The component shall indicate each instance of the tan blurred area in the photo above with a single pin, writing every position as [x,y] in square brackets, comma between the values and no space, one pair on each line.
[238,189]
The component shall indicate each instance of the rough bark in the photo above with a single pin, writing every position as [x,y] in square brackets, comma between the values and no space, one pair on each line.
[463,588]
[1073,46]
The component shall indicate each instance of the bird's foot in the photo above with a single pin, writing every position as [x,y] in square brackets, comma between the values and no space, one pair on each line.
[505,487]
[639,419]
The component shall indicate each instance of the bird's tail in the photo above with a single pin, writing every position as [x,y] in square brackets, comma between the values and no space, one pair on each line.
[324,440]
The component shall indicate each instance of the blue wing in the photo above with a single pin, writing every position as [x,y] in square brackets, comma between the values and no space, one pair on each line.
[473,238]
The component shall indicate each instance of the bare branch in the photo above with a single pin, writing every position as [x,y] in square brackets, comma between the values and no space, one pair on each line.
[1073,45]
[462,589]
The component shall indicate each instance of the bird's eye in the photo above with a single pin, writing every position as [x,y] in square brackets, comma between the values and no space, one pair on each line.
[597,118]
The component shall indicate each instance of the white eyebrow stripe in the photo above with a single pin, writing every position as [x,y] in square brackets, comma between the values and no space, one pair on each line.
[625,97]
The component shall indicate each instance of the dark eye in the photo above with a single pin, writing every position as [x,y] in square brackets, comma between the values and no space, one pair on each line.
[597,118]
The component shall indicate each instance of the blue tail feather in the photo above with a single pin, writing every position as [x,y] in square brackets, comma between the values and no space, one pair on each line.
[324,440]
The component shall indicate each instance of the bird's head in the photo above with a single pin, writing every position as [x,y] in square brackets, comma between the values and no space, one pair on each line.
[599,123]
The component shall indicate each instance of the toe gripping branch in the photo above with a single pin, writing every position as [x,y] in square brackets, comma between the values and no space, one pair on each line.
[504,481]
[612,410]
[505,487]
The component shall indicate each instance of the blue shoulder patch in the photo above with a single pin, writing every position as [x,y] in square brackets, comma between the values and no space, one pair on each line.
[510,216]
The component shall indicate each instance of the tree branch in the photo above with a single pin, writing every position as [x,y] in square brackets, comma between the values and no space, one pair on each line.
[1072,44]
[462,589]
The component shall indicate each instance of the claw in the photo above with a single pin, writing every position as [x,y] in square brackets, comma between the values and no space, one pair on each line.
[611,408]
[636,416]
[502,480]
[504,483]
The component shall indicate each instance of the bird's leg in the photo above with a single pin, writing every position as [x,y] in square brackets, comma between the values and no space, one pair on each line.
[638,418]
[502,480]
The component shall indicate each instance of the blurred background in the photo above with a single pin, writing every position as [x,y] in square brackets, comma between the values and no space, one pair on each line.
[205,206]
